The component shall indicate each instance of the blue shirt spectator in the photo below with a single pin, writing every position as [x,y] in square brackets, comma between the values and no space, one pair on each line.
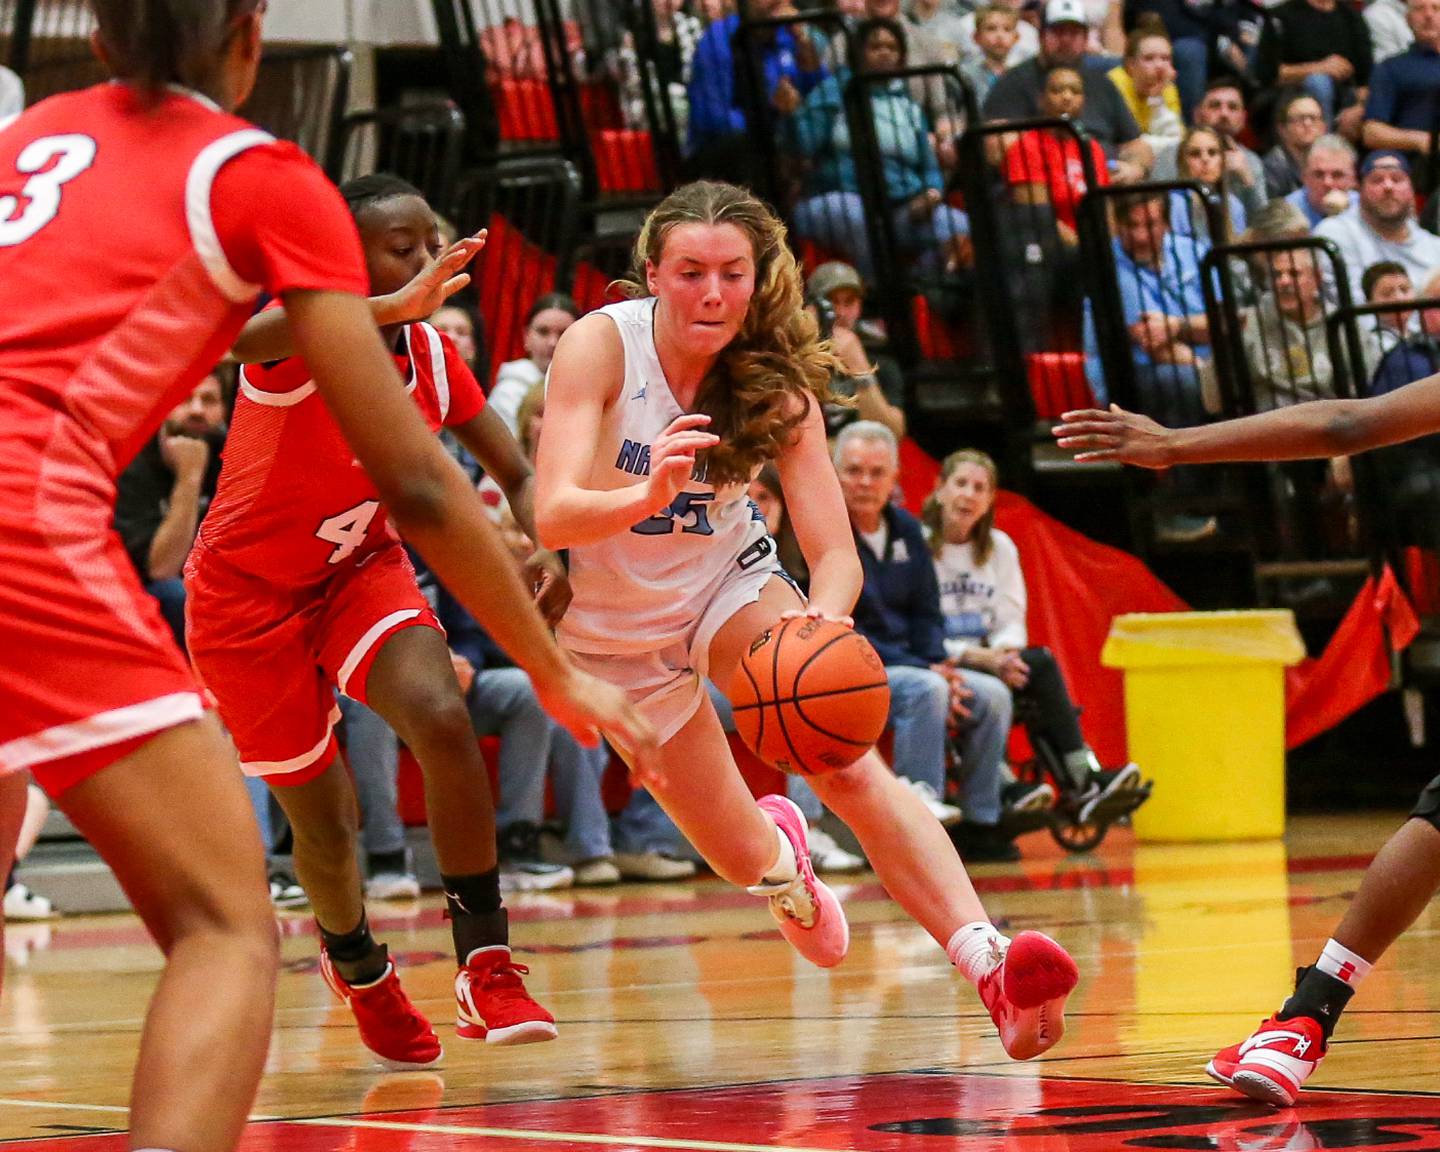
[717,107]
[1313,215]
[1158,273]
[1405,89]
[821,131]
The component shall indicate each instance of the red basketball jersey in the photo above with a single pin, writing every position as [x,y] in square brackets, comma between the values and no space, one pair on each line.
[293,505]
[134,238]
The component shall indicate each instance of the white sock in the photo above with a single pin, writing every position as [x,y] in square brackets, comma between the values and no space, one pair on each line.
[1346,966]
[976,948]
[786,868]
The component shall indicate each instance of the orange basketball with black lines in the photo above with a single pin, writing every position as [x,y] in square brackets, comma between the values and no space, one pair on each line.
[810,696]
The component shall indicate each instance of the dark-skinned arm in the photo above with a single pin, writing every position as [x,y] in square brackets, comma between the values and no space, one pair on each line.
[266,335]
[1320,429]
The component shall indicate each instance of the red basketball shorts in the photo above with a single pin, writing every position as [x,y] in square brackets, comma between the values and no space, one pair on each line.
[272,656]
[88,667]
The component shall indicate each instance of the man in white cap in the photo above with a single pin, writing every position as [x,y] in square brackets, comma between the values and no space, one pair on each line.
[1016,95]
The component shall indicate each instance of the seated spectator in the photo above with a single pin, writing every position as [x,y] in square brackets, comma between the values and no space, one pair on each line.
[1284,335]
[787,62]
[1299,122]
[997,31]
[1202,159]
[836,291]
[458,321]
[1387,283]
[1017,95]
[1190,28]
[530,418]
[1382,226]
[1045,165]
[671,52]
[832,210]
[546,322]
[1405,89]
[1026,44]
[942,22]
[1327,181]
[162,496]
[1390,32]
[1417,355]
[899,613]
[12,94]
[1323,47]
[1223,109]
[1409,473]
[1146,81]
[983,601]
[1162,307]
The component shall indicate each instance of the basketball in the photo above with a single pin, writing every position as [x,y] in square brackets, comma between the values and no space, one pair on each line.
[810,696]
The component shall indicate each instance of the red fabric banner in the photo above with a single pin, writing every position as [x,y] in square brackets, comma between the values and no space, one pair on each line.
[1077,587]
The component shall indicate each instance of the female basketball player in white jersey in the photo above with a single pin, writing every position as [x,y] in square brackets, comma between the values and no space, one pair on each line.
[659,412]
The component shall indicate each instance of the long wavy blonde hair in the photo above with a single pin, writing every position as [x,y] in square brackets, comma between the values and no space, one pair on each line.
[982,539]
[778,353]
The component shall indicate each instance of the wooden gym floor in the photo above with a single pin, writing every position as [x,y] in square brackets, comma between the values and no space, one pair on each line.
[687,1024]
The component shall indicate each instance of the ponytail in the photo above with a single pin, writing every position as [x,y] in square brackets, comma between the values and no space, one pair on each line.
[152,43]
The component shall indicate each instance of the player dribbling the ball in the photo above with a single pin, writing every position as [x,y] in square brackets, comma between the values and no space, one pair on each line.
[660,411]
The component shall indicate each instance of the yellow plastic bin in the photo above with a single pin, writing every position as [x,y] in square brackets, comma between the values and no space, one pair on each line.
[1205,719]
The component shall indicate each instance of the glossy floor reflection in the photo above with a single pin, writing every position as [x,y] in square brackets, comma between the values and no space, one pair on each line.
[687,1024]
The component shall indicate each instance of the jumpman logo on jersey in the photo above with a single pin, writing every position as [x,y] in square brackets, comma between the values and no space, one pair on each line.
[640,395]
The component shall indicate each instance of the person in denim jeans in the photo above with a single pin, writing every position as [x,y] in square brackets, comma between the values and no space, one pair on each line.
[899,613]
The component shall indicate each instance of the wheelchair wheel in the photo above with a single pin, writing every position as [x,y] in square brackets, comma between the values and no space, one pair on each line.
[1077,838]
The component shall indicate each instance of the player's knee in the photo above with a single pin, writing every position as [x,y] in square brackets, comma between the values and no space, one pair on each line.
[432,713]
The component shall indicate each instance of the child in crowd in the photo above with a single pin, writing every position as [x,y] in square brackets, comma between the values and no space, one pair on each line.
[1044,165]
[997,32]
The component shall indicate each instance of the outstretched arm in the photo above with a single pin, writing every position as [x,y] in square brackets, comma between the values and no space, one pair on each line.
[1317,430]
[437,510]
[266,336]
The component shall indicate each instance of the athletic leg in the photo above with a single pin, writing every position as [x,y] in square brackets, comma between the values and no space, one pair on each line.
[1274,1063]
[195,873]
[1024,987]
[412,685]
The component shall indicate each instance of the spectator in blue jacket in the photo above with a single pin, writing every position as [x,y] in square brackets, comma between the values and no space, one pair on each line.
[787,60]
[832,211]
[899,613]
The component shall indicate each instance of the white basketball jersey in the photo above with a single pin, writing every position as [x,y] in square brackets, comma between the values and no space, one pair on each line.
[644,589]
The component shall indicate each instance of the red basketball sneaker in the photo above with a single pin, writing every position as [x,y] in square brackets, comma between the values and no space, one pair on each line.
[390,1026]
[809,915]
[1025,993]
[491,1002]
[1274,1062]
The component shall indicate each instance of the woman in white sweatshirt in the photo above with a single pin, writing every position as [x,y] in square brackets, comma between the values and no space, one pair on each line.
[982,597]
